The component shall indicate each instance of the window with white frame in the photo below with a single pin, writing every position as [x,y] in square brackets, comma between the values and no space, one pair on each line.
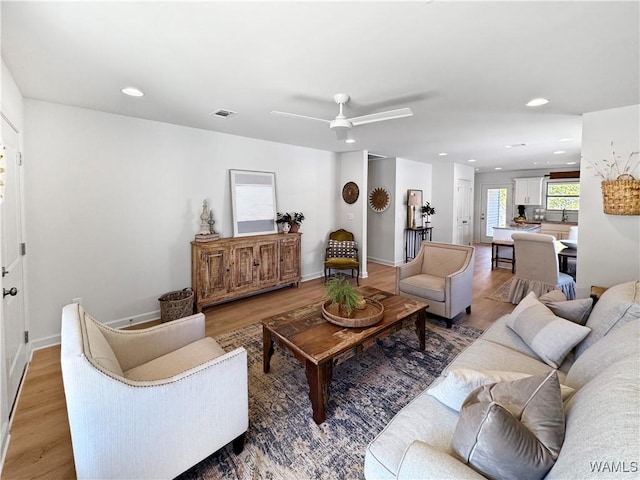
[563,195]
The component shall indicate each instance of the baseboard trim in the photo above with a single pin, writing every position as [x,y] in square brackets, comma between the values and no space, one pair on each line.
[50,341]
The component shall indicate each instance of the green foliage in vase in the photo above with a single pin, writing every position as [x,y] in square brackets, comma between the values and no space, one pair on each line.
[427,209]
[342,293]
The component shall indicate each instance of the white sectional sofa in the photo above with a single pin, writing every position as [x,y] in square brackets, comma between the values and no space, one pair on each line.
[602,413]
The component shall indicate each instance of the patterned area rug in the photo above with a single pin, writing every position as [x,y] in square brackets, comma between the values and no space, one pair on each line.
[502,293]
[283,442]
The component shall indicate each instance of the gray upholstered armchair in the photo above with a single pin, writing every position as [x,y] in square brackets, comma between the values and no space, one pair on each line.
[149,403]
[440,275]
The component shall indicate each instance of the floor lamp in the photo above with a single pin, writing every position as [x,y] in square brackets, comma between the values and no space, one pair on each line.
[413,202]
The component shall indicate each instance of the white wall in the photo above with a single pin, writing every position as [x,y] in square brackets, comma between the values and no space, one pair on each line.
[381,226]
[609,250]
[112,204]
[353,217]
[444,198]
[410,175]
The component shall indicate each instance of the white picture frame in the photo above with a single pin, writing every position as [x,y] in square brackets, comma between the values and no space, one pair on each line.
[253,202]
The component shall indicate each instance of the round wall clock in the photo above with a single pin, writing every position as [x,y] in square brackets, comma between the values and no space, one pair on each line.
[350,192]
[379,199]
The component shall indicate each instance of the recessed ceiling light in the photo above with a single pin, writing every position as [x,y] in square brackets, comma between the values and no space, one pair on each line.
[471,160]
[559,152]
[477,169]
[571,163]
[536,102]
[132,91]
[443,154]
[498,168]
[349,140]
[565,139]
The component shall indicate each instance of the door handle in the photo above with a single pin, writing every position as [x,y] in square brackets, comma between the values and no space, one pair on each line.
[13,291]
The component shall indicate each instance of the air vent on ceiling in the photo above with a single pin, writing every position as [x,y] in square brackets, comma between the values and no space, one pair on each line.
[222,113]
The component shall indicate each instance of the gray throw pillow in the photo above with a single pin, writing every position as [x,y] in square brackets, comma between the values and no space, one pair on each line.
[576,311]
[512,430]
[549,336]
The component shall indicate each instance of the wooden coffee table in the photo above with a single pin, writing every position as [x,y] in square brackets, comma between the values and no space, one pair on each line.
[320,345]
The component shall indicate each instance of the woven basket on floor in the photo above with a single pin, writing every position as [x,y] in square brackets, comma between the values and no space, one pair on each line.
[621,196]
[174,305]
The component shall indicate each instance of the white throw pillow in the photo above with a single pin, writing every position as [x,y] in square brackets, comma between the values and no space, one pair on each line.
[549,336]
[458,384]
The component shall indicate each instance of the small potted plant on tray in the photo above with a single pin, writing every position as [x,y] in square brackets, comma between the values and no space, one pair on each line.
[342,294]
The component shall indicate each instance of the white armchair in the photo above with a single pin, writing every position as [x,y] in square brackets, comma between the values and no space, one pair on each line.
[149,403]
[440,275]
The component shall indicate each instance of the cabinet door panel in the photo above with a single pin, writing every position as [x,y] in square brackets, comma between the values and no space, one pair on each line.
[267,263]
[242,272]
[289,259]
[213,273]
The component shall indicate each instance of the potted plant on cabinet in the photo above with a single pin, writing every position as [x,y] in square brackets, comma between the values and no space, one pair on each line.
[290,221]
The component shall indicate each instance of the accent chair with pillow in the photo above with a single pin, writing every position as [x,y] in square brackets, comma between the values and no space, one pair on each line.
[537,396]
[342,254]
[440,275]
[149,403]
[537,267]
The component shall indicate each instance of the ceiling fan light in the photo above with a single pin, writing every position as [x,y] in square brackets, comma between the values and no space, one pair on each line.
[132,92]
[536,102]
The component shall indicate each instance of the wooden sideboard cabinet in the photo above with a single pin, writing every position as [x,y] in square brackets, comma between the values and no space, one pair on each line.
[230,268]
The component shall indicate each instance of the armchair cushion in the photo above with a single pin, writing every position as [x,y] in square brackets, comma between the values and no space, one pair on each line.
[338,248]
[178,361]
[424,285]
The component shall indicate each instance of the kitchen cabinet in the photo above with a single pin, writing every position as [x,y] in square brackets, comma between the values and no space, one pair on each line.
[528,191]
[229,268]
[558,230]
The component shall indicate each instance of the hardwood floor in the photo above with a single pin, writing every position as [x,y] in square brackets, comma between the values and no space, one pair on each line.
[40,444]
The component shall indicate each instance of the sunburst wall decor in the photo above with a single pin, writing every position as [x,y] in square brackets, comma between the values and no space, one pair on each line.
[379,199]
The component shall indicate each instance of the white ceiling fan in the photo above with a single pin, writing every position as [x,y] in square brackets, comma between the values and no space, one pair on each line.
[341,124]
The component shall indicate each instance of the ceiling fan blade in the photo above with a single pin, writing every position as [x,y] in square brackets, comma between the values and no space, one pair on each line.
[295,115]
[379,117]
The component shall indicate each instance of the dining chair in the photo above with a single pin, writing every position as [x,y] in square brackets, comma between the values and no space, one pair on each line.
[537,267]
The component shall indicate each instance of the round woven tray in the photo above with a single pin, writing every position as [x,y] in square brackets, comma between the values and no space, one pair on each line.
[371,314]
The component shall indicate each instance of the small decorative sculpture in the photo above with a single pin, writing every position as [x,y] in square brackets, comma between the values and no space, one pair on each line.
[204,219]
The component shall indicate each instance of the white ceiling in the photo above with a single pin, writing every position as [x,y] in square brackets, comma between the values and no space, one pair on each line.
[466,69]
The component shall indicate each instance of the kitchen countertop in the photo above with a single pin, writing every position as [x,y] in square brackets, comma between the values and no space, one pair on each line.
[519,226]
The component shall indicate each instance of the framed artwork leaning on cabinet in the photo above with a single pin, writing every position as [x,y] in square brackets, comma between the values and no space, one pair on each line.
[253,202]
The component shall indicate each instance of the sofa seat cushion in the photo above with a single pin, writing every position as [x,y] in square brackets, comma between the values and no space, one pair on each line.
[173,363]
[425,419]
[424,285]
[617,306]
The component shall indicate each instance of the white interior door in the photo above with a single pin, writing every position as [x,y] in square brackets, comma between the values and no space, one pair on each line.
[464,207]
[495,209]
[12,326]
